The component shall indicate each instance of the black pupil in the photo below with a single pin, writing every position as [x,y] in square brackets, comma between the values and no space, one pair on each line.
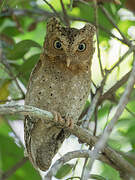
[58,45]
[81,47]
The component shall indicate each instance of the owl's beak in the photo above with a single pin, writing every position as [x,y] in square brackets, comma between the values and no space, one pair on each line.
[68,62]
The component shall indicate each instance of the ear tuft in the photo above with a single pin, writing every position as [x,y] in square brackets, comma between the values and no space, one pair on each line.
[53,24]
[89,28]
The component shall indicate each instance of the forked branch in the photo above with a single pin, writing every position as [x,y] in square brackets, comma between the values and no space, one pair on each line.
[108,155]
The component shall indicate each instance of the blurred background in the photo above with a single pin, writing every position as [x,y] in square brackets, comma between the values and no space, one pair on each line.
[22,32]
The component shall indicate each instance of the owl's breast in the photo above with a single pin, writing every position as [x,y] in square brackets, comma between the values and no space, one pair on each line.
[60,91]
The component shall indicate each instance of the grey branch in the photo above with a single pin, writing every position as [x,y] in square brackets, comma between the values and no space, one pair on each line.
[46,14]
[92,108]
[67,157]
[121,106]
[109,156]
[25,110]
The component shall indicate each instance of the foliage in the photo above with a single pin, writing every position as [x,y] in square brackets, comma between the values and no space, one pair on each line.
[22,31]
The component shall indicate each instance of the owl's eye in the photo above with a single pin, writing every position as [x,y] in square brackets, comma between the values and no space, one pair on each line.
[57,45]
[81,47]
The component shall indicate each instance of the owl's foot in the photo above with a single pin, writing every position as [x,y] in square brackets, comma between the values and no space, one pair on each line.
[68,122]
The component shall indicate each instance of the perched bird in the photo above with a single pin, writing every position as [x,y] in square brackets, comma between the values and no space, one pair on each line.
[59,83]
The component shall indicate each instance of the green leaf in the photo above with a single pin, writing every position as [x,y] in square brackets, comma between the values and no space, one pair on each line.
[109,173]
[64,171]
[97,177]
[20,49]
[4,91]
[10,31]
[29,63]
[10,154]
[26,68]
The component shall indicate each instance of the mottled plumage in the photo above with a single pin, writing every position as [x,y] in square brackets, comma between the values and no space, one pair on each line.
[59,82]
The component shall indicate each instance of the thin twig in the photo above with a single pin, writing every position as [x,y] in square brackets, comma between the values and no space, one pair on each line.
[91,109]
[12,170]
[52,8]
[107,119]
[26,12]
[84,165]
[71,4]
[47,14]
[129,111]
[66,19]
[107,14]
[129,51]
[110,93]
[16,136]
[97,34]
[121,106]
[100,27]
[9,71]
[96,118]
[76,163]
[2,5]
[108,156]
[64,159]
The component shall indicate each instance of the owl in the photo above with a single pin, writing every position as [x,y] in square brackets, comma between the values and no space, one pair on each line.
[59,83]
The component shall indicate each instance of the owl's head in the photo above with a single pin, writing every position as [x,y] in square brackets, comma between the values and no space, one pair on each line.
[73,48]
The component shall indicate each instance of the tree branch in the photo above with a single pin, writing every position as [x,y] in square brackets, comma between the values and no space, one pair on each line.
[121,106]
[110,93]
[41,12]
[52,8]
[97,35]
[7,66]
[109,156]
[67,157]
[107,14]
[66,19]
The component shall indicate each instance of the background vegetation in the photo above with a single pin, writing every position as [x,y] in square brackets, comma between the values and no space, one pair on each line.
[22,32]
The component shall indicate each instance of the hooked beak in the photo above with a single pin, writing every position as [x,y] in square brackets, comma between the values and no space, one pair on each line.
[68,61]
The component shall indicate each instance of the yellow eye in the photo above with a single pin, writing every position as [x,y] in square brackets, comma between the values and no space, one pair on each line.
[57,44]
[81,47]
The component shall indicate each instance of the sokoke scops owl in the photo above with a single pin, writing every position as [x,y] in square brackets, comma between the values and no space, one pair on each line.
[60,82]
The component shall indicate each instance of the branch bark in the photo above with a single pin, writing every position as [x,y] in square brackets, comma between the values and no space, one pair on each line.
[67,157]
[109,156]
[43,13]
[103,140]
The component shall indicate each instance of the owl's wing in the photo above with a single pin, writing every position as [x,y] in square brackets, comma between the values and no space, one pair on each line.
[29,121]
[34,71]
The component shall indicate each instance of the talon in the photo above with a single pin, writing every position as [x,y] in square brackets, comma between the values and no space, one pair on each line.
[58,118]
[69,123]
[66,122]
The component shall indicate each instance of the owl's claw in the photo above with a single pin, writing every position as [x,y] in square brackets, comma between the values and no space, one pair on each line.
[69,123]
[57,117]
[66,122]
